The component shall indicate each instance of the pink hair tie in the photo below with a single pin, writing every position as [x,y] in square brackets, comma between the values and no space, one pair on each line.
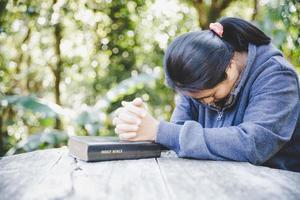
[217,28]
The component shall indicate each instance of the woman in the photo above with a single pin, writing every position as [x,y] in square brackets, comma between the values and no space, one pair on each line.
[239,99]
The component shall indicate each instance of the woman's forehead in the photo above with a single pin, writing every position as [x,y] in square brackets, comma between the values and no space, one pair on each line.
[200,93]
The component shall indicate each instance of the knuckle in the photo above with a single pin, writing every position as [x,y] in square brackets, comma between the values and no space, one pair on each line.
[119,126]
[121,115]
[115,121]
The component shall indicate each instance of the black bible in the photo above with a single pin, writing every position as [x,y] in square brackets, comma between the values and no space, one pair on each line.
[97,148]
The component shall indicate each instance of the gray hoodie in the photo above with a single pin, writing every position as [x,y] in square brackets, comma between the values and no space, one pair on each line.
[261,125]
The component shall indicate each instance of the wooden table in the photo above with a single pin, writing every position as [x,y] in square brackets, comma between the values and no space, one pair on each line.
[53,174]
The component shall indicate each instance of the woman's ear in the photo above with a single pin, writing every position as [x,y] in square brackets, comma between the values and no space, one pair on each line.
[231,70]
[232,64]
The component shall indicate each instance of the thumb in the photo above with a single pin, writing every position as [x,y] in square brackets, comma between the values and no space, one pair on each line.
[138,102]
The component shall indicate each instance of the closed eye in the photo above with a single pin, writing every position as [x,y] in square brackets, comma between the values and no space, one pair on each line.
[209,96]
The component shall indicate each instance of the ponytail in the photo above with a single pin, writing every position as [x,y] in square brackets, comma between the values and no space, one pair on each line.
[198,60]
[239,33]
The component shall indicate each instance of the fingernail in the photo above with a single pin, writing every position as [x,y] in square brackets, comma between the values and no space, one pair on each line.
[134,135]
[139,122]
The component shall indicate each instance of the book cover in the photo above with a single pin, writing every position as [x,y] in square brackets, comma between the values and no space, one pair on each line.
[97,148]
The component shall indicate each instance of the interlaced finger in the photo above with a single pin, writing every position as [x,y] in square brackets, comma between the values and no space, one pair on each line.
[129,118]
[126,136]
[127,127]
[134,109]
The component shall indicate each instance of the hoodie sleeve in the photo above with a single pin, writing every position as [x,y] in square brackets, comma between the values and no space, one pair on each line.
[268,123]
[182,111]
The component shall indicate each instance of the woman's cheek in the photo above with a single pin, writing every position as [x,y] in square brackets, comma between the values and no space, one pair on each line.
[222,92]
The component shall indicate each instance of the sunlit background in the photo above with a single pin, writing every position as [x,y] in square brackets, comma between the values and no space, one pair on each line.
[65,65]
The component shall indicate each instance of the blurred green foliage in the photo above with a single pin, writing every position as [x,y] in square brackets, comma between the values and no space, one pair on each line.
[65,65]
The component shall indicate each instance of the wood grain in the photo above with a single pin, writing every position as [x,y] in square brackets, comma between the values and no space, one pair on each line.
[19,173]
[126,179]
[196,179]
[70,178]
[53,174]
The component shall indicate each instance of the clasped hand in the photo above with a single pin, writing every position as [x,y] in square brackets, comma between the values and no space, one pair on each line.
[134,123]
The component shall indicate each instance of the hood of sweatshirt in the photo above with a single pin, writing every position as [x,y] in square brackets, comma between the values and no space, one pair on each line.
[257,55]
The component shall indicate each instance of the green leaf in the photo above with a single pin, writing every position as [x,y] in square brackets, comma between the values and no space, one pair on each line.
[46,139]
[47,122]
[30,103]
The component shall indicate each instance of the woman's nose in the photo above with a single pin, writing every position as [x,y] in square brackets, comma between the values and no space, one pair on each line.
[208,100]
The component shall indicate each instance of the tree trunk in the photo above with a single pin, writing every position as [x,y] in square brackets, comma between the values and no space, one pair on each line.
[1,133]
[255,10]
[3,11]
[58,68]
[5,114]
[17,80]
[20,58]
[210,13]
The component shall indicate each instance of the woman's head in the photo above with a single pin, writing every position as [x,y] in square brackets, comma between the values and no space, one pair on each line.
[198,60]
[217,95]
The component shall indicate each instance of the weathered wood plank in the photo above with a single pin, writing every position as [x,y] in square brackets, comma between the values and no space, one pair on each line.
[127,179]
[196,179]
[57,182]
[19,173]
[53,174]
